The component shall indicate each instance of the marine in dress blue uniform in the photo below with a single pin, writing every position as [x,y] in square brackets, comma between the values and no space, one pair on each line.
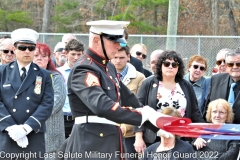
[25,104]
[98,100]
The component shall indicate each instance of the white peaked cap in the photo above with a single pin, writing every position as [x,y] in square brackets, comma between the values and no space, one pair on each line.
[25,35]
[108,27]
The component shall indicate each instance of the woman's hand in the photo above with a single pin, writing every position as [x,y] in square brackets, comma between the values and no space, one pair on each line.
[139,144]
[199,143]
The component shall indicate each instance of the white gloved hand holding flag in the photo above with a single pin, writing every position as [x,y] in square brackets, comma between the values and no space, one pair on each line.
[151,115]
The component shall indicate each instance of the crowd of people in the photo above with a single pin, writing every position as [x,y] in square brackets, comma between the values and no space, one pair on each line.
[98,102]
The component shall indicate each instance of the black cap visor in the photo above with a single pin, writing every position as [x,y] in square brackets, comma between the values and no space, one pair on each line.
[25,41]
[114,38]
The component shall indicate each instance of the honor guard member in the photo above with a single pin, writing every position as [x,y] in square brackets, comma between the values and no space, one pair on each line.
[98,100]
[26,100]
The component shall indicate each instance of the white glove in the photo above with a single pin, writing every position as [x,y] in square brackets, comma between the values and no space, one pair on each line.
[23,142]
[164,133]
[16,132]
[146,113]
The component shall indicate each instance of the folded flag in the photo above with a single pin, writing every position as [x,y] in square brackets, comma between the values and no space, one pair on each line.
[185,128]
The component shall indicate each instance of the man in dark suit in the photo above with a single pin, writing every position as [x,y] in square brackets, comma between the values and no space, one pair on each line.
[134,61]
[220,84]
[137,64]
[139,51]
[26,100]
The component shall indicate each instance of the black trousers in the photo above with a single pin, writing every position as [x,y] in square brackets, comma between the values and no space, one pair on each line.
[68,125]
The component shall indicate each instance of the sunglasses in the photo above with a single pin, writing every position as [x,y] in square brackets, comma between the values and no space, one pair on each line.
[144,56]
[23,48]
[112,37]
[7,51]
[232,64]
[197,66]
[60,49]
[167,64]
[220,62]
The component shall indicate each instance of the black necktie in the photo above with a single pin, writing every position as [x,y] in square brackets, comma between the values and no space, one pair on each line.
[24,73]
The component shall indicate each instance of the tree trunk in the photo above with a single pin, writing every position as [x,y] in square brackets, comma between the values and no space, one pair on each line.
[215,16]
[233,27]
[172,24]
[46,15]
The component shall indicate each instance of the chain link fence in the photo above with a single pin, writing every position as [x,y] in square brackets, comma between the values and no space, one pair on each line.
[187,46]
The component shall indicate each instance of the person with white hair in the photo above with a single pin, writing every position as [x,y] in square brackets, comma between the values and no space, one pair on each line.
[154,58]
[139,51]
[67,37]
[6,51]
[59,54]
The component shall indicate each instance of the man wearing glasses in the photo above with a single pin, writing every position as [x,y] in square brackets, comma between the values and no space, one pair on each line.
[227,85]
[220,60]
[139,51]
[27,101]
[219,68]
[60,54]
[6,51]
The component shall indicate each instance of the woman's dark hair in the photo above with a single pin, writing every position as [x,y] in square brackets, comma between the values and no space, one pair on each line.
[171,55]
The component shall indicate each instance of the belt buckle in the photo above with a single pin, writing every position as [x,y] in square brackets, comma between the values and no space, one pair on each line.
[69,119]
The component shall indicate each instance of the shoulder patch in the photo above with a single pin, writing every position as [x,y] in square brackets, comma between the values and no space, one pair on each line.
[91,80]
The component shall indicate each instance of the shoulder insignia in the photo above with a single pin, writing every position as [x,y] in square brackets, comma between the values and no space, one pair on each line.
[91,80]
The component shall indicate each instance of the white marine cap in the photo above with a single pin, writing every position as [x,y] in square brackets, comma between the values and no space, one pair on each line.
[59,45]
[112,30]
[25,35]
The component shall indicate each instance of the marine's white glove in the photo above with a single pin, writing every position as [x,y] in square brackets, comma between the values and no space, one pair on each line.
[16,132]
[23,142]
[164,133]
[147,112]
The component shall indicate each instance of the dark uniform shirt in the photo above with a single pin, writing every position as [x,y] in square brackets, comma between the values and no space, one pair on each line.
[28,102]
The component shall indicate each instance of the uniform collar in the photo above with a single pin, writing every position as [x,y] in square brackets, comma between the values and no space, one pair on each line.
[97,58]
[20,67]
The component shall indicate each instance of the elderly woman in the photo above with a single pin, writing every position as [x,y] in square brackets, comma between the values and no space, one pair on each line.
[197,66]
[167,88]
[54,135]
[219,112]
[169,148]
